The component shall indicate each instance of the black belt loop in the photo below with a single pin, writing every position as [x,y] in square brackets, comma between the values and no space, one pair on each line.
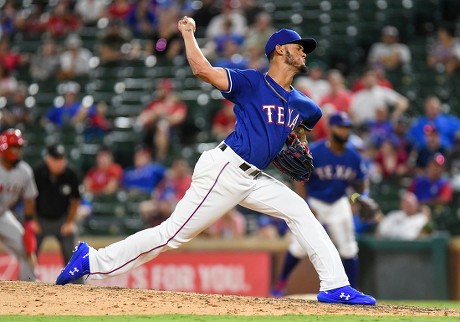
[244,166]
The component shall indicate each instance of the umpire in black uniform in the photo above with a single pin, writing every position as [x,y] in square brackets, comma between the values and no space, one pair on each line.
[58,200]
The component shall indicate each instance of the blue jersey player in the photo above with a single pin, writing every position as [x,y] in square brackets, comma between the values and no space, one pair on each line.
[337,169]
[267,109]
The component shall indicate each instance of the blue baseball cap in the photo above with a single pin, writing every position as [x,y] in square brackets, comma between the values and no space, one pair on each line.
[340,119]
[287,36]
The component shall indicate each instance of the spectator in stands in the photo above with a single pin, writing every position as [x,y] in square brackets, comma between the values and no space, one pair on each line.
[58,200]
[45,63]
[166,41]
[204,15]
[231,57]
[364,225]
[96,123]
[232,225]
[338,96]
[62,21]
[145,175]
[380,128]
[105,177]
[259,32]
[391,161]
[119,9]
[216,47]
[160,117]
[30,21]
[173,9]
[17,113]
[217,24]
[255,58]
[445,54]
[110,54]
[381,80]
[432,147]
[314,83]
[166,195]
[223,122]
[9,59]
[400,128]
[453,165]
[74,61]
[367,101]
[90,11]
[142,19]
[406,223]
[8,18]
[8,83]
[446,124]
[66,110]
[321,129]
[115,28]
[389,53]
[251,10]
[272,228]
[431,187]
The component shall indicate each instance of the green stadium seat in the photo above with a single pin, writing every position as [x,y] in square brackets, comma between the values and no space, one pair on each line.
[103,225]
[387,194]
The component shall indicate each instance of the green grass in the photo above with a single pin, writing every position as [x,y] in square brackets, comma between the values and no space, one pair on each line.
[208,318]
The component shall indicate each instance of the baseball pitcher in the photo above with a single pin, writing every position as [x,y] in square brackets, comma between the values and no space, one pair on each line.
[267,109]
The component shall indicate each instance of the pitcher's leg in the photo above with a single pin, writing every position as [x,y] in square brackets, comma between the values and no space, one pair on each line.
[208,198]
[275,199]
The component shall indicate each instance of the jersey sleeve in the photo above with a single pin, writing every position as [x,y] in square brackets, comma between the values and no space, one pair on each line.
[30,190]
[311,121]
[309,110]
[238,82]
[52,115]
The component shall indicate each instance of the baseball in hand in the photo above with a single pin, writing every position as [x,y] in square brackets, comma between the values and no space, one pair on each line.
[188,22]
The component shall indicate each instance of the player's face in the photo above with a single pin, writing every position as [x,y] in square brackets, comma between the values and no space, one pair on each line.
[295,57]
[340,134]
[56,165]
[12,155]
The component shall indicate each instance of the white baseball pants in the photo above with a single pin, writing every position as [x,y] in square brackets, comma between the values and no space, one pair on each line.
[218,184]
[338,220]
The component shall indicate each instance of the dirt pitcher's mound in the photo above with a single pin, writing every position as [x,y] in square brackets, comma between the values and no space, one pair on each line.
[48,299]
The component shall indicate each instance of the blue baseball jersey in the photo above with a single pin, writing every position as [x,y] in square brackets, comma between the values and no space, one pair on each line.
[333,173]
[145,178]
[426,189]
[265,115]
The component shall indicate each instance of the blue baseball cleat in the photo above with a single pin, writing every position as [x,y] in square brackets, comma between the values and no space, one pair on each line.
[277,293]
[345,295]
[77,266]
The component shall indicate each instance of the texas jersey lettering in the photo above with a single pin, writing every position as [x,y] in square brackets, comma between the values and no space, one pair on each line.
[273,115]
[333,172]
